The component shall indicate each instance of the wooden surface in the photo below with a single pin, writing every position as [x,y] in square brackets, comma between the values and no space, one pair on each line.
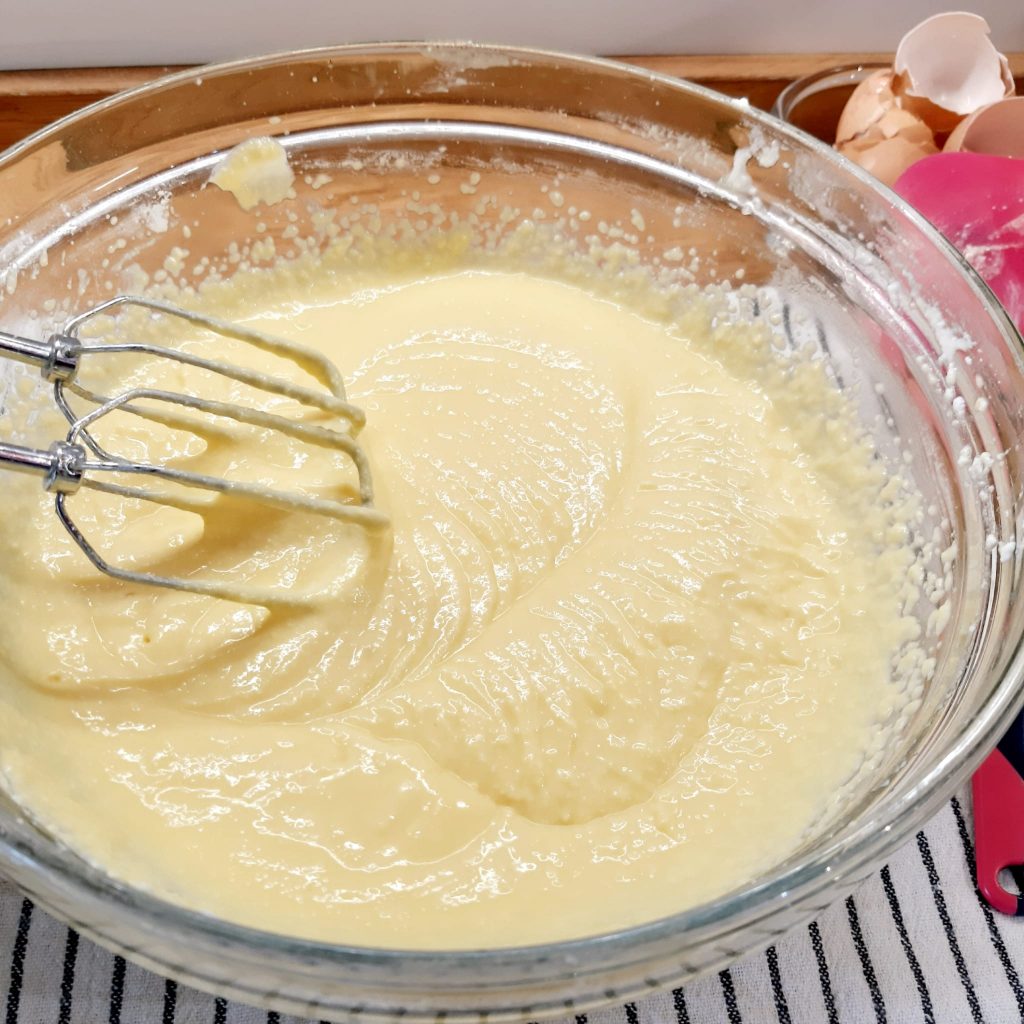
[31,99]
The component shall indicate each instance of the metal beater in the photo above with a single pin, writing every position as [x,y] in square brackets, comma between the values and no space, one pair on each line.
[80,461]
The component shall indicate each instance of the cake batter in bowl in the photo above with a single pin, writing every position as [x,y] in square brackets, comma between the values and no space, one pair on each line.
[699,596]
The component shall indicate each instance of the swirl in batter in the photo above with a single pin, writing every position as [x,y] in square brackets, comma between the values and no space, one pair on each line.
[630,632]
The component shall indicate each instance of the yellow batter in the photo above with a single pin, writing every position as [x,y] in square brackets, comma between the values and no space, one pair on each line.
[630,632]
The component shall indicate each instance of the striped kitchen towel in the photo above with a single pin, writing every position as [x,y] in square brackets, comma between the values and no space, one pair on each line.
[914,943]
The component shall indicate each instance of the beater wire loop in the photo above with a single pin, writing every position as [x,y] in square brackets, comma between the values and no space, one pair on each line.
[81,461]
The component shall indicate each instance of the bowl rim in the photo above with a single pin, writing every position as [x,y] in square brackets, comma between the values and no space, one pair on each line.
[818,81]
[877,834]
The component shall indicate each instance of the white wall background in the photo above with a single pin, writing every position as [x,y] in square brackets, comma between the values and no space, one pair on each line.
[77,33]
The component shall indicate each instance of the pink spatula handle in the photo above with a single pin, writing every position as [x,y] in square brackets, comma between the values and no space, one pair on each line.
[998,829]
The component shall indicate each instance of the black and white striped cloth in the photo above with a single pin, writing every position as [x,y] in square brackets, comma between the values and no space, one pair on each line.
[914,944]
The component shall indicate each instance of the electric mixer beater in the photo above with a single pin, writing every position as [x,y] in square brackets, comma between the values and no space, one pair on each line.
[79,460]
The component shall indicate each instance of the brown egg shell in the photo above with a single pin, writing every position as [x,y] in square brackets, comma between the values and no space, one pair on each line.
[886,158]
[866,105]
[995,130]
[939,120]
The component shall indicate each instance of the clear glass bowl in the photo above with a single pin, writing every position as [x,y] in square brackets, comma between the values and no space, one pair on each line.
[813,103]
[909,330]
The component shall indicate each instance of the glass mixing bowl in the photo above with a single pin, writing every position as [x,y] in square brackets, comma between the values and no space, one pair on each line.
[907,328]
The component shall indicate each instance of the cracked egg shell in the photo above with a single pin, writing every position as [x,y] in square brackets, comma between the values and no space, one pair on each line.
[876,133]
[946,68]
[866,106]
[995,130]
